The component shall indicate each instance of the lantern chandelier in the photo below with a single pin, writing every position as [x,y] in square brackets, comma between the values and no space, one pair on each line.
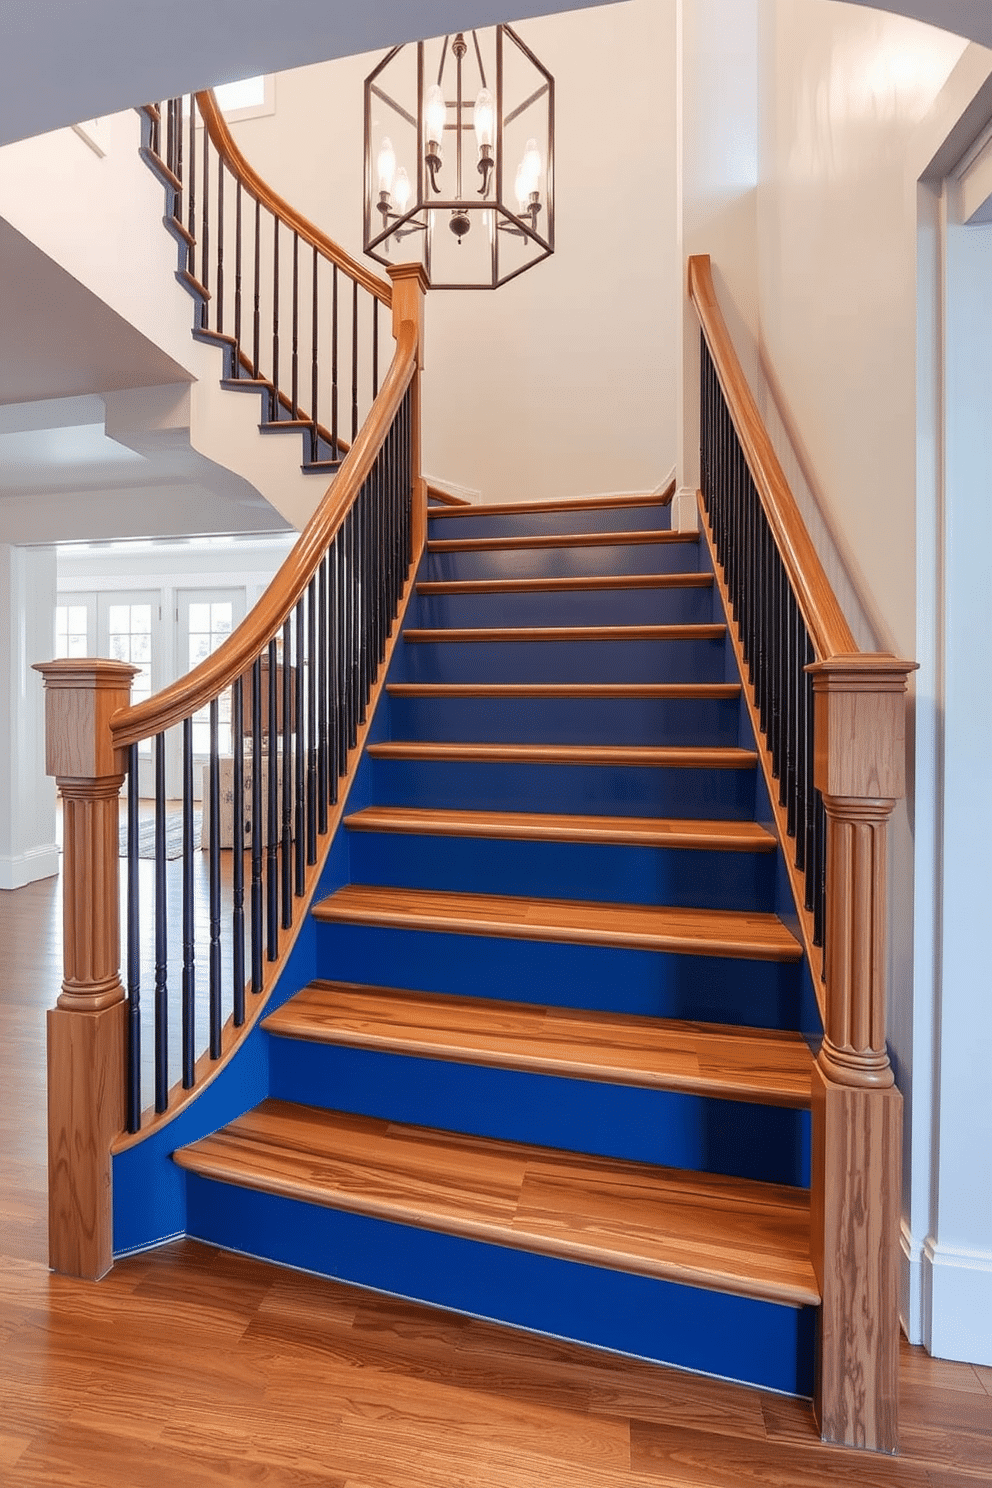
[455,130]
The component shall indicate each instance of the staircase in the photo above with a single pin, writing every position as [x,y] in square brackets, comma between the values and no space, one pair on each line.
[551,1068]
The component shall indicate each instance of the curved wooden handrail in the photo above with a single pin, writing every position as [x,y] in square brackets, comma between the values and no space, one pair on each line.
[220,135]
[828,628]
[232,659]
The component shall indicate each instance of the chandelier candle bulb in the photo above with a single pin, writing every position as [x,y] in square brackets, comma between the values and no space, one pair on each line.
[386,166]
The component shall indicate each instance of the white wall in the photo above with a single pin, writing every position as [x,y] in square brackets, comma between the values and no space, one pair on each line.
[563,382]
[27,798]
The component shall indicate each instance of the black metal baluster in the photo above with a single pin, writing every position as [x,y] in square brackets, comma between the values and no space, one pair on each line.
[257,316]
[214,886]
[287,774]
[236,358]
[375,347]
[205,246]
[191,203]
[161,937]
[133,948]
[274,401]
[296,326]
[189,914]
[335,663]
[314,364]
[272,832]
[219,318]
[177,204]
[323,761]
[335,450]
[312,788]
[238,851]
[354,360]
[257,818]
[299,821]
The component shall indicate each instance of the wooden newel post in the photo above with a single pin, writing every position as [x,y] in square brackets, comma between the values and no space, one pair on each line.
[410,286]
[86,1027]
[857,1110]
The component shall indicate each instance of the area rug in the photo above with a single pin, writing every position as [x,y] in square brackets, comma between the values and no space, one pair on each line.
[173,836]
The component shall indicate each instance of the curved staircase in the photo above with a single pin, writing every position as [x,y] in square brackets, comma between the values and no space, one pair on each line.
[550,1069]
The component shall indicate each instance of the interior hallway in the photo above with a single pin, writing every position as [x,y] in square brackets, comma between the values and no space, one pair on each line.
[190,1367]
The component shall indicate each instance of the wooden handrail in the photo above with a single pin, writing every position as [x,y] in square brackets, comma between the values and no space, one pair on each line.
[828,628]
[220,135]
[232,659]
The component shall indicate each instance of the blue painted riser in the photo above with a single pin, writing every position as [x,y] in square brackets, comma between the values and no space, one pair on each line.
[680,606]
[566,870]
[766,1143]
[563,661]
[523,563]
[763,994]
[509,720]
[575,519]
[586,789]
[710,1331]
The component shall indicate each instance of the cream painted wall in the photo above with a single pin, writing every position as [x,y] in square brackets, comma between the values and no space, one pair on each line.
[563,382]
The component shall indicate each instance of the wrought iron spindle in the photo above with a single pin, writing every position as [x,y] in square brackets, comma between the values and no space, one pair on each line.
[236,357]
[216,1020]
[274,396]
[314,364]
[272,832]
[323,693]
[335,447]
[287,775]
[256,330]
[133,948]
[238,852]
[189,913]
[161,936]
[257,818]
[313,812]
[299,772]
[295,366]
[205,242]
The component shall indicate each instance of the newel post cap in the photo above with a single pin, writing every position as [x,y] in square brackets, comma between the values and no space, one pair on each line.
[82,693]
[860,725]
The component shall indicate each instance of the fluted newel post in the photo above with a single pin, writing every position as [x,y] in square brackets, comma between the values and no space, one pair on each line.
[410,286]
[857,1110]
[86,1027]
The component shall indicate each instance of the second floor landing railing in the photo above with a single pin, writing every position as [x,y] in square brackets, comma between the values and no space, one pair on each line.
[830,727]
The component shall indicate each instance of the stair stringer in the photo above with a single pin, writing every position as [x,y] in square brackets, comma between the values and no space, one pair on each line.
[149,1190]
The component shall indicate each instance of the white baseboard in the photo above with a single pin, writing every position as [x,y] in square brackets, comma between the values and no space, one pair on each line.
[910,1285]
[23,868]
[685,510]
[452,488]
[957,1303]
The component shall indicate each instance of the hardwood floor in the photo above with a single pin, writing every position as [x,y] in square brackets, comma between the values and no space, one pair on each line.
[190,1367]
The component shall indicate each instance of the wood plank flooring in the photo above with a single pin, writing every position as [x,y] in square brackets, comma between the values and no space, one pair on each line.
[191,1368]
[749,935]
[707,1058]
[726,1233]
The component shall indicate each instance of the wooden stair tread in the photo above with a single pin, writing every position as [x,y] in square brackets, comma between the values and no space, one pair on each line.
[688,691]
[630,831]
[558,540]
[746,935]
[558,585]
[697,632]
[650,756]
[769,1067]
[726,1234]
[575,503]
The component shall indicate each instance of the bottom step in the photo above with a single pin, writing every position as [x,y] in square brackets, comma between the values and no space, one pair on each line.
[706,1272]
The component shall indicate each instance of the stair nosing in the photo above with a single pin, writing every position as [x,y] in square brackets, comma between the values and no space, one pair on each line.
[523,918]
[624,756]
[763,1087]
[639,538]
[497,635]
[209,1159]
[592,582]
[688,691]
[581,503]
[711,836]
